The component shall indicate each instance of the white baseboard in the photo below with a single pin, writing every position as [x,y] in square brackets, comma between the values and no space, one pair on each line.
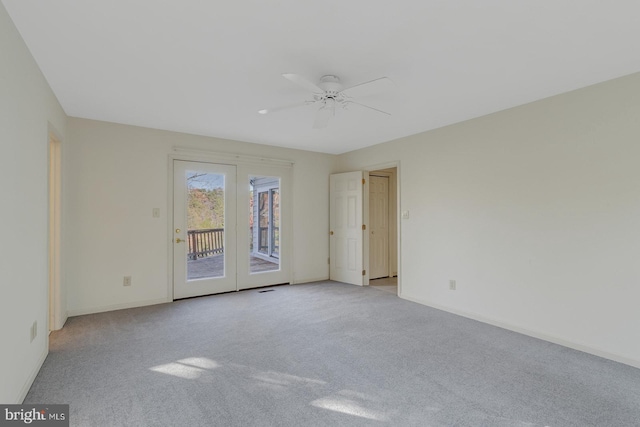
[528,332]
[309,280]
[102,309]
[33,374]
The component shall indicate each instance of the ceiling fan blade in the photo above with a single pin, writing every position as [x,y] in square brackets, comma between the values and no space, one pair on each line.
[371,108]
[369,88]
[284,107]
[301,81]
[322,117]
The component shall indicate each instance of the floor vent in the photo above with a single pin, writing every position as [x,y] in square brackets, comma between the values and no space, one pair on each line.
[266,290]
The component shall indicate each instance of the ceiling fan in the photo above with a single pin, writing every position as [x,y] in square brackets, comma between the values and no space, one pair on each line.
[328,94]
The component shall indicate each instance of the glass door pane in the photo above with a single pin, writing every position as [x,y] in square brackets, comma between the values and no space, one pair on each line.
[205,225]
[275,221]
[263,221]
[264,224]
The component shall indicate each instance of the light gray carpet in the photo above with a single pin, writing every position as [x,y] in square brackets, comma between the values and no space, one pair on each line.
[387,288]
[322,354]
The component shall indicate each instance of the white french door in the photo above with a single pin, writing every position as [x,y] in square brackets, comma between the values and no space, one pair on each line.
[231,227]
[204,228]
[264,233]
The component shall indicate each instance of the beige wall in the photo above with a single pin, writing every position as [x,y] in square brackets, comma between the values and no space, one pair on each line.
[534,211]
[28,110]
[116,175]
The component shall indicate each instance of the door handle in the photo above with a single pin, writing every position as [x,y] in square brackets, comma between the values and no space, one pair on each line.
[179,240]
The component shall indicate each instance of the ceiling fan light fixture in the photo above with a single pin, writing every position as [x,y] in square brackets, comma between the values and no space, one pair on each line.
[330,104]
[329,93]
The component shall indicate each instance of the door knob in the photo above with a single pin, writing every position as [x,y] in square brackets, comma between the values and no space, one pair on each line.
[179,240]
[331,233]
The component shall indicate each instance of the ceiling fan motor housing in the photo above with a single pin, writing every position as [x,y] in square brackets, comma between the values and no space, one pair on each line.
[330,84]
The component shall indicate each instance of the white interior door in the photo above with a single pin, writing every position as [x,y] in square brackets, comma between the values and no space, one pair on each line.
[346,227]
[378,227]
[204,229]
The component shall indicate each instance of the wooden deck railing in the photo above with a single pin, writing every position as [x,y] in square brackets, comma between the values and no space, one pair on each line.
[204,243]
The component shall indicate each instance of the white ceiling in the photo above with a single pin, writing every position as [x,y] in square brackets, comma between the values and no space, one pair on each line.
[207,67]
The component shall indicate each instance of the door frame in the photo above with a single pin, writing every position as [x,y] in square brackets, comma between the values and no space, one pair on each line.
[367,170]
[190,154]
[56,316]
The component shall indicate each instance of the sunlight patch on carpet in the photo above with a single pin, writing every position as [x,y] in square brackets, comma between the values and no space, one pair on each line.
[349,407]
[190,368]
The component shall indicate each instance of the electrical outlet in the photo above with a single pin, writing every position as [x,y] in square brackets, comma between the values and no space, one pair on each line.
[405,214]
[126,281]
[34,330]
[452,285]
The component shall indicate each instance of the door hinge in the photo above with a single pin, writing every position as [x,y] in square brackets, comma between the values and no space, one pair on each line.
[364,272]
[364,227]
[363,181]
